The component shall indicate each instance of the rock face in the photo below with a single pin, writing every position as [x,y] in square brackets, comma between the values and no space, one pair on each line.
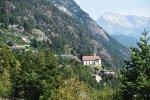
[64,24]
[63,9]
[39,35]
[76,12]
[106,44]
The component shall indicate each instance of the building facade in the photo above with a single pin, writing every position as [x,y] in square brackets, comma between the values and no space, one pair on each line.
[91,60]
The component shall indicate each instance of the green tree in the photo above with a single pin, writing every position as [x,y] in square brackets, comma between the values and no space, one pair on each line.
[12,20]
[73,89]
[136,75]
[106,93]
[38,77]
[84,73]
[27,26]
[10,43]
[8,66]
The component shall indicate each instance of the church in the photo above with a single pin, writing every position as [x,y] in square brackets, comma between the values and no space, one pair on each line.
[91,60]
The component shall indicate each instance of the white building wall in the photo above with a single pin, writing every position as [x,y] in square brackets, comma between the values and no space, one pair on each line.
[84,62]
[96,62]
[88,62]
[92,62]
[100,63]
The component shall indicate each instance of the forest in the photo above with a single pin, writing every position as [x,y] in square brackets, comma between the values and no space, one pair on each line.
[37,75]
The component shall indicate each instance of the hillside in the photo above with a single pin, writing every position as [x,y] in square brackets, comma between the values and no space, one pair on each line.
[127,41]
[60,25]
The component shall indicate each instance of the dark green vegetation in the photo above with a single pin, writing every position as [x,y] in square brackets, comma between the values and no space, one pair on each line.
[5,38]
[35,75]
[22,17]
[135,77]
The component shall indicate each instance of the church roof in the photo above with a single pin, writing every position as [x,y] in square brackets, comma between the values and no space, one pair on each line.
[90,58]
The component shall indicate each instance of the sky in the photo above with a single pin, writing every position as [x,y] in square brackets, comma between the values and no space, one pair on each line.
[95,8]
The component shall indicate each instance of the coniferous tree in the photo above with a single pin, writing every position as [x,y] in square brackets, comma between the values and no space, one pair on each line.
[38,77]
[8,67]
[136,75]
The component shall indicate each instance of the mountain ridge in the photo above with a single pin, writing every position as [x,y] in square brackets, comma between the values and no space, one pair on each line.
[129,25]
[60,25]
[127,41]
[80,15]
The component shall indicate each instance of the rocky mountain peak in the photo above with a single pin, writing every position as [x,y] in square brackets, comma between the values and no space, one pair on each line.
[129,25]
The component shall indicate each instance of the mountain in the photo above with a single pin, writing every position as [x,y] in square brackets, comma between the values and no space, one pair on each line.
[128,25]
[127,41]
[60,25]
[124,25]
[72,9]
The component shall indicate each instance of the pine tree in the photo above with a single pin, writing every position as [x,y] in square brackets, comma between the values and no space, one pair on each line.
[38,77]
[8,67]
[136,75]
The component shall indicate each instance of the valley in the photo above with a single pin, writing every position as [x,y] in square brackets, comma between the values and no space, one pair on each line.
[54,50]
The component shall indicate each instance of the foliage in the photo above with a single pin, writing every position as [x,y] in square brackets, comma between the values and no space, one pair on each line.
[4,38]
[135,76]
[106,93]
[73,89]
[84,73]
[8,66]
[38,76]
[10,43]
[78,84]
